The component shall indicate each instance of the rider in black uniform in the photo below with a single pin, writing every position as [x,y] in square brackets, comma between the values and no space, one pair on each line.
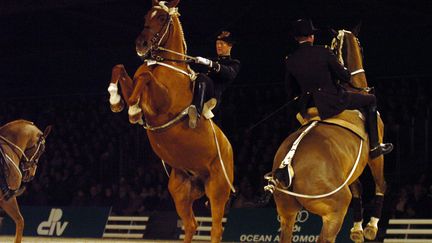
[221,72]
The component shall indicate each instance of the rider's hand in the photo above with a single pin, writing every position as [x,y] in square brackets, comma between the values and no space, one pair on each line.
[204,61]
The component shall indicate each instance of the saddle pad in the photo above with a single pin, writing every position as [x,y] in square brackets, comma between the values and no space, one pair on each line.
[352,120]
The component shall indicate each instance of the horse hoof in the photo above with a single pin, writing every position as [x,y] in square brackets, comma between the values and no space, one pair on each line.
[136,118]
[370,232]
[117,107]
[357,236]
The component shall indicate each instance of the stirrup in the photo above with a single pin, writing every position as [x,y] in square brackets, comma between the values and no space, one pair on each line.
[193,116]
[382,149]
[284,176]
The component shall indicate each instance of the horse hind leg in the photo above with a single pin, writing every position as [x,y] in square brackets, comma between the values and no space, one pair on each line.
[287,208]
[11,208]
[333,211]
[184,192]
[332,224]
[218,192]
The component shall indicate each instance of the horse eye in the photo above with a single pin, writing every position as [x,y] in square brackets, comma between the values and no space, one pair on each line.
[162,18]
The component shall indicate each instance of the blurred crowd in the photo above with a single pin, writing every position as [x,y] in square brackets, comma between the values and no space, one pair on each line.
[96,158]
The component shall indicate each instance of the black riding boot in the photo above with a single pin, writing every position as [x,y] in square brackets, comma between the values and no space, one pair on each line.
[197,103]
[376,149]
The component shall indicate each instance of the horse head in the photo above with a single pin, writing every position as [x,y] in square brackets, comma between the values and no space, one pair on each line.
[157,27]
[347,48]
[27,142]
[33,151]
[162,45]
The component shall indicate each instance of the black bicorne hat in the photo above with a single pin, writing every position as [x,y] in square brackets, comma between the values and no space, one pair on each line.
[303,27]
[226,36]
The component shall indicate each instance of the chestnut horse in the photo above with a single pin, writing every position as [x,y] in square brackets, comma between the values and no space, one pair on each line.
[161,92]
[22,144]
[327,161]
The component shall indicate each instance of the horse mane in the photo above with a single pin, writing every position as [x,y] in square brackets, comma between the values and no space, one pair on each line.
[15,122]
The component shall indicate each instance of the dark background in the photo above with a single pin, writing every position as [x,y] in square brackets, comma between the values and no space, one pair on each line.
[70,46]
[55,65]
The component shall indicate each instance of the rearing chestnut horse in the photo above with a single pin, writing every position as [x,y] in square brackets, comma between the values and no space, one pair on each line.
[161,92]
[327,161]
[22,144]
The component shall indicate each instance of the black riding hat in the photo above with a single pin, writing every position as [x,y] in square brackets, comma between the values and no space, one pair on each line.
[303,27]
[226,36]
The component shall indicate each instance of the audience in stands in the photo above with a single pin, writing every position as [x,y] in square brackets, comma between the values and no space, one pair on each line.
[96,158]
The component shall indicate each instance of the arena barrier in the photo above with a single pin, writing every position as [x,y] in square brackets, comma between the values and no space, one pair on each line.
[125,227]
[240,225]
[262,225]
[73,222]
[409,231]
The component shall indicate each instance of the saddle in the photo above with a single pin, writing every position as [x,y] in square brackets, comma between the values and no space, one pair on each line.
[352,120]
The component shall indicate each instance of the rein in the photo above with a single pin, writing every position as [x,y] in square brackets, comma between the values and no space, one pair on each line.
[22,152]
[273,185]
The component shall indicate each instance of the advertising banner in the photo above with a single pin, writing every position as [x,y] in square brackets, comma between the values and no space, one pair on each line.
[262,225]
[85,222]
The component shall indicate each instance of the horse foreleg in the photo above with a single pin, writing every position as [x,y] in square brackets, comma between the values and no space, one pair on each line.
[119,74]
[12,209]
[135,112]
[184,193]
[377,169]
[287,208]
[356,234]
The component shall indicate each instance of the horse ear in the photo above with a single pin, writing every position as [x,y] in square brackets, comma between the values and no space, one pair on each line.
[47,131]
[155,2]
[356,29]
[173,3]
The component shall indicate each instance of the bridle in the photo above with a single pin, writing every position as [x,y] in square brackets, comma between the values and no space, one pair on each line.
[29,161]
[150,56]
[156,41]
[158,37]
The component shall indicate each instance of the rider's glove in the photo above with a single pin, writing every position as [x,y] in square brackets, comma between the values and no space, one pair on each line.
[204,61]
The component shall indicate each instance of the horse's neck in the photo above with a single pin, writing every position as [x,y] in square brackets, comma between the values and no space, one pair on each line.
[15,137]
[355,64]
[158,100]
[177,44]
